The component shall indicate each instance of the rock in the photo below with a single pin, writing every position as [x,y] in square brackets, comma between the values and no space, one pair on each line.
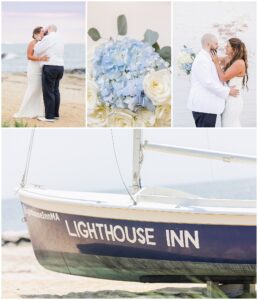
[76,71]
[15,237]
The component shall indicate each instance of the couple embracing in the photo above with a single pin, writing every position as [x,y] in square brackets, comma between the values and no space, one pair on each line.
[45,70]
[217,83]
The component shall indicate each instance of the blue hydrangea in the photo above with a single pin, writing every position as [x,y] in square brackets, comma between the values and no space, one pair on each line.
[119,68]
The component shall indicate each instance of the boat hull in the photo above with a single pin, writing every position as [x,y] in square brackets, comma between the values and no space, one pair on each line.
[141,250]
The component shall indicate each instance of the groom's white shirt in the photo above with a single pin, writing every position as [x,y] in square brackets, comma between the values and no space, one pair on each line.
[53,47]
[207,93]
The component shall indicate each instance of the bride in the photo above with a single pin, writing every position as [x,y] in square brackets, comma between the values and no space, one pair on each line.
[32,103]
[233,69]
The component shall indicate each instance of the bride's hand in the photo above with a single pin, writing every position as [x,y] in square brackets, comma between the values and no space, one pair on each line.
[214,57]
[44,58]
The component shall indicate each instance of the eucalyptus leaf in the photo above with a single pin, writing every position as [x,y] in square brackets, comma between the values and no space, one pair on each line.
[94,34]
[150,37]
[156,47]
[122,25]
[165,53]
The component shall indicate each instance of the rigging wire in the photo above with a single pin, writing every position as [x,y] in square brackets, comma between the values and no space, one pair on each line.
[119,170]
[27,165]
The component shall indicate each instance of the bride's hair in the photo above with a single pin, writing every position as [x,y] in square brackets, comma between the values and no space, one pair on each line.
[240,52]
[36,31]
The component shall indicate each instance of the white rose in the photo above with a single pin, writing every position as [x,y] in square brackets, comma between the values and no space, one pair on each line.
[92,95]
[184,58]
[121,118]
[163,116]
[156,86]
[98,117]
[145,118]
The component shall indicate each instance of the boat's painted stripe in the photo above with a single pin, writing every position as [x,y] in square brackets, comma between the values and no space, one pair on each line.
[134,212]
[54,231]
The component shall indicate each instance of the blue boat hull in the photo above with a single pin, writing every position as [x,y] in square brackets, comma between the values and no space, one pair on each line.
[142,251]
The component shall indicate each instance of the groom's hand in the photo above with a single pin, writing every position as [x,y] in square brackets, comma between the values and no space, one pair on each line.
[233,91]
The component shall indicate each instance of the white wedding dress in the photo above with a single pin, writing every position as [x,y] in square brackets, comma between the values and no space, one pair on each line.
[233,106]
[32,103]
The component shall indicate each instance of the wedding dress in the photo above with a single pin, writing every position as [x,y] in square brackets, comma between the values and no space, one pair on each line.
[234,106]
[32,103]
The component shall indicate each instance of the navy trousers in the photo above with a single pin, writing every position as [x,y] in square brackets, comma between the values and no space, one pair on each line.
[51,76]
[204,119]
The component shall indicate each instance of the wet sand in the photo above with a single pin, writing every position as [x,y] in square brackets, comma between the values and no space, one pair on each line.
[72,109]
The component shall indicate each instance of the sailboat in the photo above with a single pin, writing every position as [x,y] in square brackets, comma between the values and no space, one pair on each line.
[150,234]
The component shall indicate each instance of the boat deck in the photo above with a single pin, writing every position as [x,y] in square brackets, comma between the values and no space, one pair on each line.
[159,199]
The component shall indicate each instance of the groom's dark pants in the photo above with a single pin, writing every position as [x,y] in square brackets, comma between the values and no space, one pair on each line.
[51,76]
[204,119]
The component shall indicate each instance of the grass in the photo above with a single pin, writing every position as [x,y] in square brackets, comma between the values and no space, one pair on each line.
[17,123]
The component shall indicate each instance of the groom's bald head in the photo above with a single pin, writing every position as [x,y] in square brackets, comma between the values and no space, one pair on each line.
[52,28]
[209,41]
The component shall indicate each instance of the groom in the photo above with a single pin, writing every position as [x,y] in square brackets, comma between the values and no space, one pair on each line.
[52,72]
[208,94]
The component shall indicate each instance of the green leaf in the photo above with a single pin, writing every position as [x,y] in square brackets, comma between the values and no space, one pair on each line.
[165,53]
[150,37]
[156,47]
[94,34]
[122,25]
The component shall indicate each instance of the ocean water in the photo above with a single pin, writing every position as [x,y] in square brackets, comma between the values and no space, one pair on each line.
[15,57]
[236,189]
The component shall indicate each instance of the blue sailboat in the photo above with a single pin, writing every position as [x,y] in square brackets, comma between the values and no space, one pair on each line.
[150,234]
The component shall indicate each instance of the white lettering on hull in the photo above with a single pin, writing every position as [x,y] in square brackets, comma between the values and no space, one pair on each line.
[49,216]
[131,235]
[117,233]
[183,239]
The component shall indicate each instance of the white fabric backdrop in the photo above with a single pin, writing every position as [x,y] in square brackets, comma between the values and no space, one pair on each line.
[140,16]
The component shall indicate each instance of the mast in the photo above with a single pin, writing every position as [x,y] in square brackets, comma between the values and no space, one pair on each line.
[137,160]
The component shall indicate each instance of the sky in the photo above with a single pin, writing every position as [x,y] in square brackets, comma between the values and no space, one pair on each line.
[20,18]
[83,159]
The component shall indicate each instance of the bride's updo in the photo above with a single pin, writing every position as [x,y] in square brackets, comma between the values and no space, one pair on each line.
[239,52]
[36,31]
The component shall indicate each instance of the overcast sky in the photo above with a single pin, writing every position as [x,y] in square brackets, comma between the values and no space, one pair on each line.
[83,160]
[20,18]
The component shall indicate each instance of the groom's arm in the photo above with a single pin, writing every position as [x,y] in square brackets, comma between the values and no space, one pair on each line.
[42,46]
[206,79]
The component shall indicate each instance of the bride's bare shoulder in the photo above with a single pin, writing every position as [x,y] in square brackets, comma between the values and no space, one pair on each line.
[32,43]
[239,63]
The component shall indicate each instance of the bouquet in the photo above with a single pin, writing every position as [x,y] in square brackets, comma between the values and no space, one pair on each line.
[185,60]
[128,82]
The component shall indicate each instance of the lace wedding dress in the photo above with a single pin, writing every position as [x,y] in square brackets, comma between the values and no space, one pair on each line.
[32,103]
[234,106]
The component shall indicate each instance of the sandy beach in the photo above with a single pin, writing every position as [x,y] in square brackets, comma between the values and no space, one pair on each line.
[72,107]
[23,277]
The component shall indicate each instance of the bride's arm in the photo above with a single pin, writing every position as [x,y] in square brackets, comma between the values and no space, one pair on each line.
[233,71]
[30,53]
